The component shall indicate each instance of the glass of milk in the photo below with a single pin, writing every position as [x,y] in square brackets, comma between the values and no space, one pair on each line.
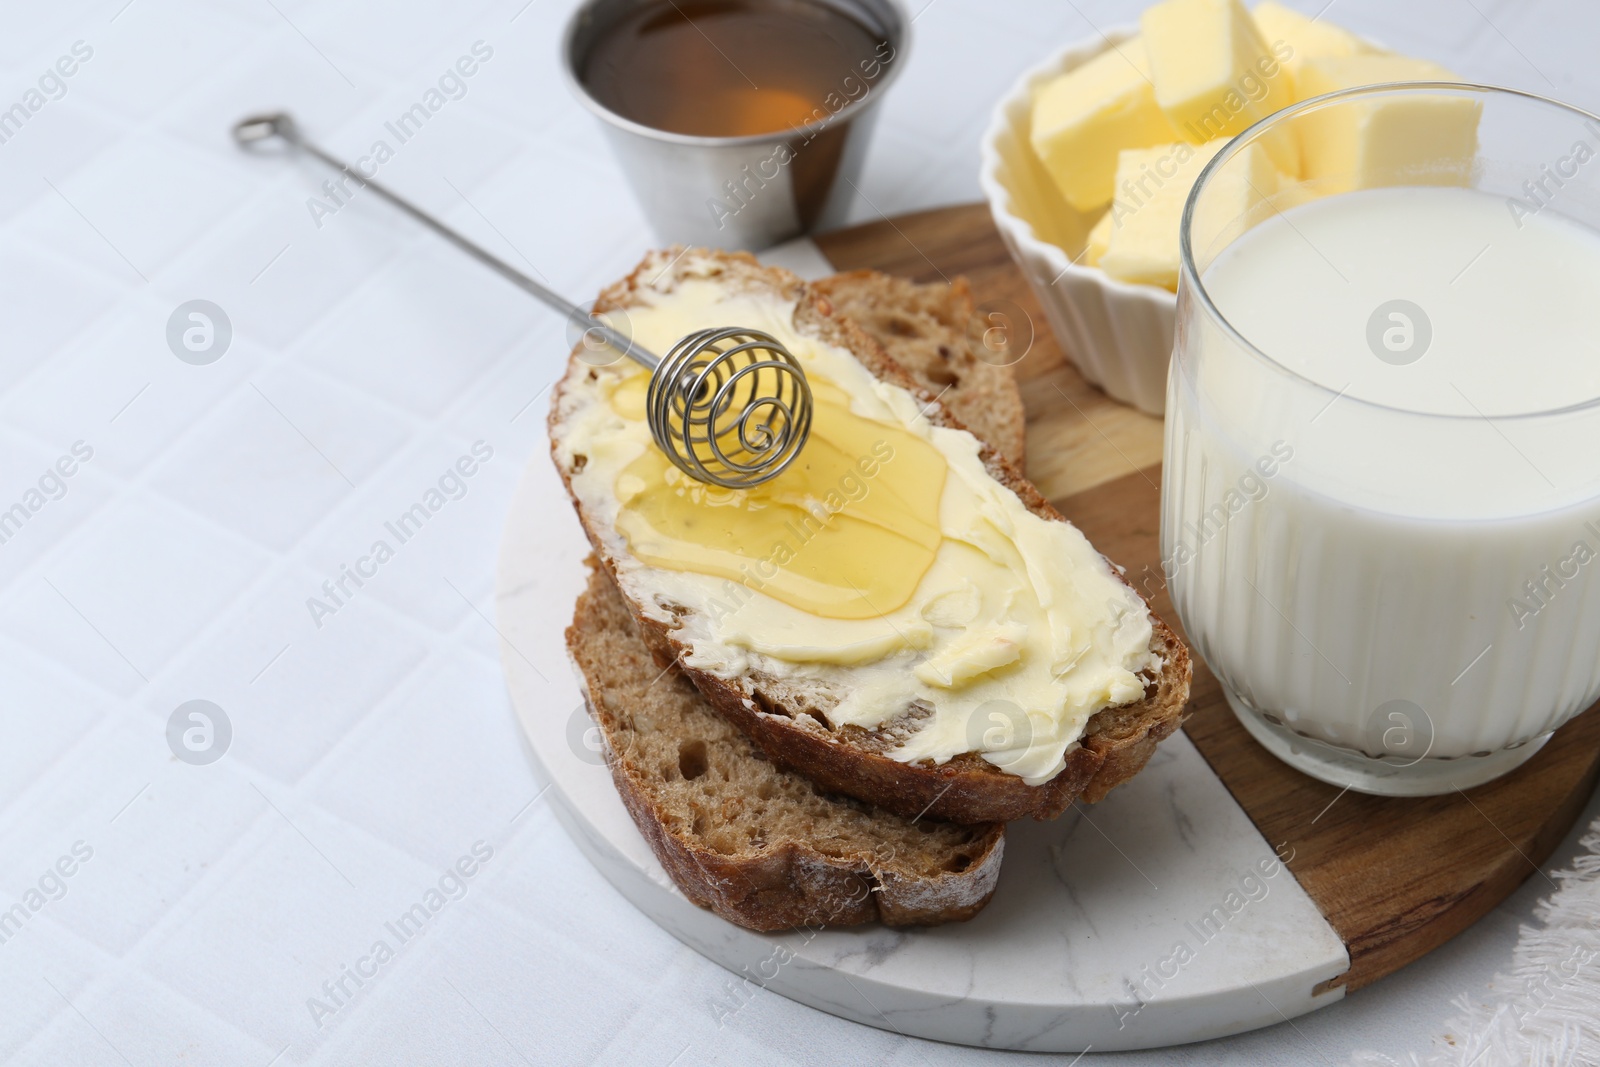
[1381,505]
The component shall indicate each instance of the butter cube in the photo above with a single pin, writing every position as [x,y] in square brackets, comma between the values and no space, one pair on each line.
[1152,186]
[1293,38]
[1421,140]
[1244,190]
[1083,118]
[1099,240]
[1213,73]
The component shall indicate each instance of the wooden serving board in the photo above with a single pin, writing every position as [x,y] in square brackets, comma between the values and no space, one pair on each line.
[1396,877]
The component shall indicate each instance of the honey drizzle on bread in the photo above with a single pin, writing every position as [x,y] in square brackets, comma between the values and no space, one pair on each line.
[789,721]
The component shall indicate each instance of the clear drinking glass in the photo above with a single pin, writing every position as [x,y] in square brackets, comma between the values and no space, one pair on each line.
[1381,504]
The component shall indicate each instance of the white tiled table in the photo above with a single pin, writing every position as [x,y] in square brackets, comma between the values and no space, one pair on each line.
[371,753]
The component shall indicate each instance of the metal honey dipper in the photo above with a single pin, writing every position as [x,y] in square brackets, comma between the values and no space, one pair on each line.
[729,406]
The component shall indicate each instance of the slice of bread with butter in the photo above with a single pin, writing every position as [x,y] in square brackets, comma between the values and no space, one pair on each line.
[900,617]
[761,846]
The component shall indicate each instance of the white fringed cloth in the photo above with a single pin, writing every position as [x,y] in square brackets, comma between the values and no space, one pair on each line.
[1546,1011]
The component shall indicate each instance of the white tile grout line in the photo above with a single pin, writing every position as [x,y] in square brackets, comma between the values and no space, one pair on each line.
[277,358]
[128,489]
[243,850]
[395,692]
[309,783]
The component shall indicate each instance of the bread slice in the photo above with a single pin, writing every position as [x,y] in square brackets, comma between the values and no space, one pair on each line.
[789,719]
[760,846]
[928,329]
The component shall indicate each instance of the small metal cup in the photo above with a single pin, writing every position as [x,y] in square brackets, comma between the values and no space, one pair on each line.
[755,191]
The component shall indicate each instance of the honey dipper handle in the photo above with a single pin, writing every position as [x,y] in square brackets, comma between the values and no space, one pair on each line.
[256,129]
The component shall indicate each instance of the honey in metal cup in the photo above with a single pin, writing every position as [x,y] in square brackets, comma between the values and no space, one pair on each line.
[738,123]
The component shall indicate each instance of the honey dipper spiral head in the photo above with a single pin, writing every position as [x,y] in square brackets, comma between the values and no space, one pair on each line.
[730,407]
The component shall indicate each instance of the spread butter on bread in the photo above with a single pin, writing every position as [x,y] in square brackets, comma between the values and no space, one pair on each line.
[934,638]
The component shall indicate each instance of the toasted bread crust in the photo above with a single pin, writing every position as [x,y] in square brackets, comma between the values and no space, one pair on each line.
[1117,742]
[927,328]
[852,865]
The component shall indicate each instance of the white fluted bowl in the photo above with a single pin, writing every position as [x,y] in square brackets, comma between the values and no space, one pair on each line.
[1118,334]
